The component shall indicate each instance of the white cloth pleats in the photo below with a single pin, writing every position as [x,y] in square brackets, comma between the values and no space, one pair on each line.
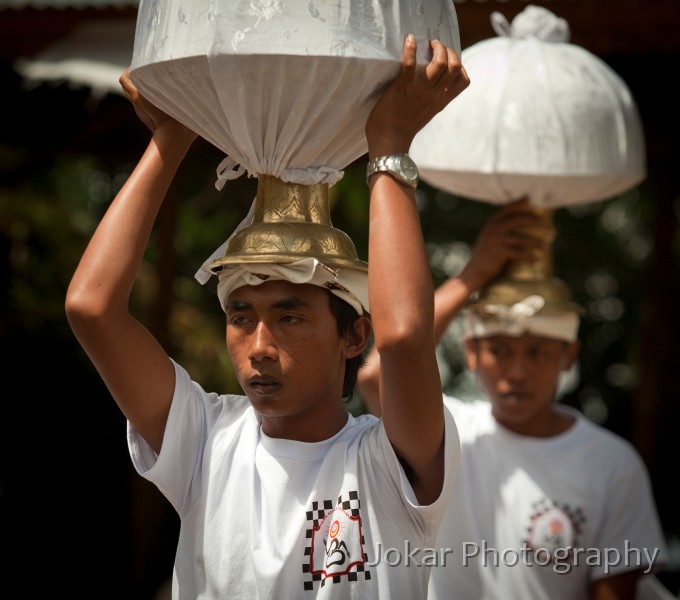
[283,87]
[542,117]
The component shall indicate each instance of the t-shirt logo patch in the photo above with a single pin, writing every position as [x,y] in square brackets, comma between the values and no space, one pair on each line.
[335,541]
[554,526]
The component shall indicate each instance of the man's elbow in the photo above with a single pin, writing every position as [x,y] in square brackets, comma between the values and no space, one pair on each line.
[409,341]
[83,310]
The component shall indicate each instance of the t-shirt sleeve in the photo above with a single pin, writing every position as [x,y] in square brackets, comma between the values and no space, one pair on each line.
[631,533]
[176,470]
[429,515]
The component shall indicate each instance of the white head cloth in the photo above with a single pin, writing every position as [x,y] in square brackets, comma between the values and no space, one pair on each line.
[350,285]
[522,318]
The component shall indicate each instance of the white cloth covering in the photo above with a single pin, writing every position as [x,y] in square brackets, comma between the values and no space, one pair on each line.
[542,118]
[522,318]
[283,87]
[351,285]
[585,488]
[275,518]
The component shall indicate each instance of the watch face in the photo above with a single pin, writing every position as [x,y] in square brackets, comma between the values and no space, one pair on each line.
[408,168]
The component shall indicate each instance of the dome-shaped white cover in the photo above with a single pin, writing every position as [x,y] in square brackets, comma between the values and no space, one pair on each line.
[541,118]
[283,87]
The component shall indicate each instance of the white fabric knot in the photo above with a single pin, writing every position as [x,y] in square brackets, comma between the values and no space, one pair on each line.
[312,175]
[513,318]
[228,169]
[523,317]
[533,21]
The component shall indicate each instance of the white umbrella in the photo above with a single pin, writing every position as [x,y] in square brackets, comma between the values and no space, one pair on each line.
[283,88]
[541,118]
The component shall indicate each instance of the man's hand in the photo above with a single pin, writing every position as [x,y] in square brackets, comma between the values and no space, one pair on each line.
[505,237]
[152,116]
[416,95]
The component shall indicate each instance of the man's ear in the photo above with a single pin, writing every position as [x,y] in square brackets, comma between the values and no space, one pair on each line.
[470,347]
[357,339]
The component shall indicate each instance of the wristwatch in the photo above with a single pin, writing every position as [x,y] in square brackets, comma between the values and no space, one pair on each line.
[400,166]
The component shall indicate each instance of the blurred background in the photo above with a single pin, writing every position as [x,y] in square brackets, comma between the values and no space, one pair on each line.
[74,517]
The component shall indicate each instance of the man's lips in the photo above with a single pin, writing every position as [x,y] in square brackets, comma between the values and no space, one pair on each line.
[516,395]
[264,384]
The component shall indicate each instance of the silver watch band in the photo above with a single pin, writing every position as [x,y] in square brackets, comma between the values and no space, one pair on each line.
[399,166]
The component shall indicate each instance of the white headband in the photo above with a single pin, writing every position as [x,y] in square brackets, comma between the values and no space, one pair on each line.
[522,318]
[350,285]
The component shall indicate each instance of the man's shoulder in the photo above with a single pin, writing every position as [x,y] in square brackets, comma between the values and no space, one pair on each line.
[359,425]
[467,407]
[472,417]
[597,440]
[592,429]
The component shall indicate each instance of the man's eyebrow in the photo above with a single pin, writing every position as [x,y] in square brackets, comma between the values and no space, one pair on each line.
[238,305]
[289,302]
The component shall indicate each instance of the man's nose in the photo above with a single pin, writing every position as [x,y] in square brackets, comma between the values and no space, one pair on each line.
[263,346]
[518,368]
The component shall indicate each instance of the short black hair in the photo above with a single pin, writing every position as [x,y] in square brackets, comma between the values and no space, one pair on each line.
[345,316]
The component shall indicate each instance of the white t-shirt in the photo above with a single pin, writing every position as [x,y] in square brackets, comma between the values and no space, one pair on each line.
[520,501]
[283,519]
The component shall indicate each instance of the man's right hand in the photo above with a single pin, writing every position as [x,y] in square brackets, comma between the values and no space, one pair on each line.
[152,116]
[504,238]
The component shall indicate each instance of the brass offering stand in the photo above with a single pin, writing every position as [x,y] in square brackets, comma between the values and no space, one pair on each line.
[523,278]
[291,222]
